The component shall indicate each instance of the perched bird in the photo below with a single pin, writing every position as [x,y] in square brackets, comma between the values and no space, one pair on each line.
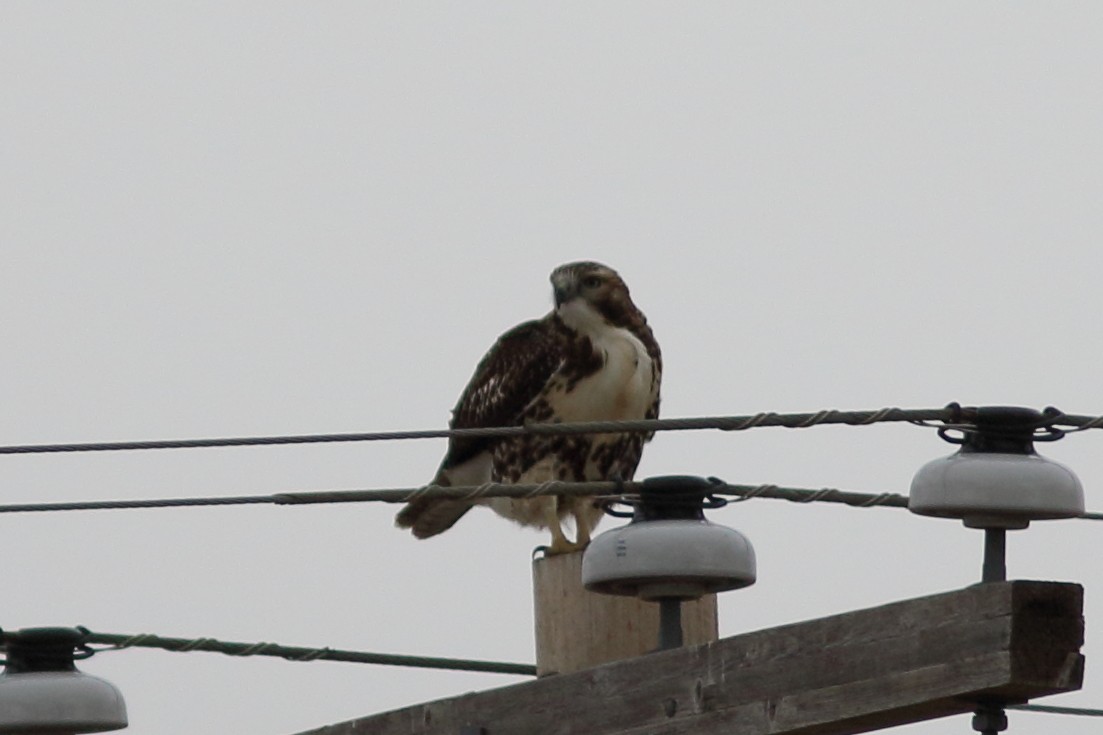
[592,358]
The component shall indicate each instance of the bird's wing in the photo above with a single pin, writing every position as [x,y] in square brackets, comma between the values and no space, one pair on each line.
[507,379]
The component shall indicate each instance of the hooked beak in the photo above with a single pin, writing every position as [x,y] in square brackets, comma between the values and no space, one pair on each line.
[565,289]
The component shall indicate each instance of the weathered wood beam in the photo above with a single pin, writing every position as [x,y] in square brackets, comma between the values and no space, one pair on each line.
[859,671]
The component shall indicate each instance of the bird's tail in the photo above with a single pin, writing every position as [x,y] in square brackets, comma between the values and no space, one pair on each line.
[429,516]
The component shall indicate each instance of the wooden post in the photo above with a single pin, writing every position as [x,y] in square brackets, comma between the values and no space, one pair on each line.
[851,673]
[577,630]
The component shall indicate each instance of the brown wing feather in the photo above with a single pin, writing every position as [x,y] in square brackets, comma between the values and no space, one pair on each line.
[511,374]
[506,380]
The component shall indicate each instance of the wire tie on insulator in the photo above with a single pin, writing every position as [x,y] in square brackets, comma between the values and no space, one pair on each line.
[756,492]
[1050,433]
[723,487]
[1093,423]
[1056,415]
[86,651]
[604,502]
[136,640]
[954,422]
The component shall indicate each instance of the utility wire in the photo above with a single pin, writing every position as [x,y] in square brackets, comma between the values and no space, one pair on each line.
[300,653]
[1049,709]
[949,414]
[946,415]
[607,489]
[724,423]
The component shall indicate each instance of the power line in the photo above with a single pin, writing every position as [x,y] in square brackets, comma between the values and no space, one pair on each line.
[466,492]
[303,653]
[724,423]
[1049,709]
[950,415]
[608,489]
[300,653]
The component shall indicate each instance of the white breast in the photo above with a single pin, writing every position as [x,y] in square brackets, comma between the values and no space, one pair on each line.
[623,388]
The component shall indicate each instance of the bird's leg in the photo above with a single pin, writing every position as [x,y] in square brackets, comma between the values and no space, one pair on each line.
[583,520]
[582,526]
[560,543]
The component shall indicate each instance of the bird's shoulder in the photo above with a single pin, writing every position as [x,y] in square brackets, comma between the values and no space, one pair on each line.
[510,376]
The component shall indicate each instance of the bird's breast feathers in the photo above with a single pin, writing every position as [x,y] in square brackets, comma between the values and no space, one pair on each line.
[625,385]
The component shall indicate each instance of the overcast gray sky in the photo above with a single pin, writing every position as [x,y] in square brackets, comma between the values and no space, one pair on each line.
[227,219]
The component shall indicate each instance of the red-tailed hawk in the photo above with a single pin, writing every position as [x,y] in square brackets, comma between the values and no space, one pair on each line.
[593,358]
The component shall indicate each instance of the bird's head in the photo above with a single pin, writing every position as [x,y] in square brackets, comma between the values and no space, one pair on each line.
[588,284]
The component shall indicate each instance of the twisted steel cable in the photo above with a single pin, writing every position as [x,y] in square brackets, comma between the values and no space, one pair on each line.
[608,489]
[301,653]
[722,423]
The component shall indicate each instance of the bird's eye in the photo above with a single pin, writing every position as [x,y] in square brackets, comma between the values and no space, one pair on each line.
[591,282]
